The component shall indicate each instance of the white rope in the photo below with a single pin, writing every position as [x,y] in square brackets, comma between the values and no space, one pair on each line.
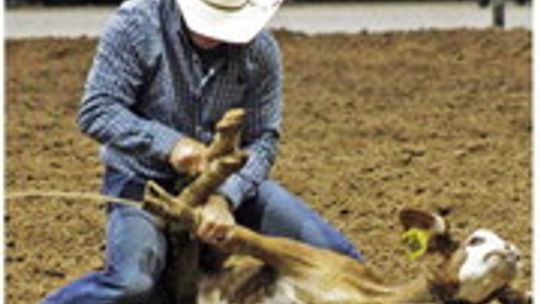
[71,195]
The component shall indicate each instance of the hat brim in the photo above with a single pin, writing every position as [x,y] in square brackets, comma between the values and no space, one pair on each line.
[238,26]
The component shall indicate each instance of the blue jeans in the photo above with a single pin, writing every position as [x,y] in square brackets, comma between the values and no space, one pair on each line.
[136,247]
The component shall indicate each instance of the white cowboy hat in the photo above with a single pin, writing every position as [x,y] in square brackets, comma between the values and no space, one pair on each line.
[233,21]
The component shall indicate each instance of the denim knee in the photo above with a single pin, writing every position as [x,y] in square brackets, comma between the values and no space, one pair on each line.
[320,234]
[107,286]
[285,214]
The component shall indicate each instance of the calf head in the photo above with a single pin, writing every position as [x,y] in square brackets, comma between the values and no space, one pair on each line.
[483,264]
[475,270]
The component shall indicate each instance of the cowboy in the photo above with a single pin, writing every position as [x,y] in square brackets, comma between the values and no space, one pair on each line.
[165,71]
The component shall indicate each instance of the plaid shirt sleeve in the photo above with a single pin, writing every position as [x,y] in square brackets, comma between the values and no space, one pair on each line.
[264,115]
[116,76]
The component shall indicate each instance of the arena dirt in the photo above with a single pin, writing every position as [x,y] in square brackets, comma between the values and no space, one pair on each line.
[373,123]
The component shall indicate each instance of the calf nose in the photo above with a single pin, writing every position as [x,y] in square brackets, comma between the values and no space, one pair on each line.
[513,254]
[516,255]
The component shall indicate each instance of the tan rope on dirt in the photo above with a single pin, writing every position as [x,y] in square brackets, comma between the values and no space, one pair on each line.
[73,195]
[195,218]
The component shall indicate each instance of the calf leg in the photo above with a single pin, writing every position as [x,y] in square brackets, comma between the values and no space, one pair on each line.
[284,255]
[276,212]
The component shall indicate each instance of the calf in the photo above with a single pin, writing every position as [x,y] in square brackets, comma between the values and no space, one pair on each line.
[478,271]
[279,270]
[282,271]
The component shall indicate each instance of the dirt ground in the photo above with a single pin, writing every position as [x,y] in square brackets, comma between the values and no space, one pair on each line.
[373,123]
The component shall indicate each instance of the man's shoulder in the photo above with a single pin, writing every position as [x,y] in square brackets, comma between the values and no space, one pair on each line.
[143,13]
[140,7]
[139,25]
[264,50]
[264,42]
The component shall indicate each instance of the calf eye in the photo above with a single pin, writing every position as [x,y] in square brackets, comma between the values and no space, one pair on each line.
[475,241]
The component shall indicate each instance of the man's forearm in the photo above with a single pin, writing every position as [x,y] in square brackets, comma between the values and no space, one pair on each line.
[112,124]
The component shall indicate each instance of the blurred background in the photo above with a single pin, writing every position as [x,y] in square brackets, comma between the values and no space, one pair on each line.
[75,18]
[12,3]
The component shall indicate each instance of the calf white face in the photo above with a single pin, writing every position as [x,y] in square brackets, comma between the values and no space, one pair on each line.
[488,263]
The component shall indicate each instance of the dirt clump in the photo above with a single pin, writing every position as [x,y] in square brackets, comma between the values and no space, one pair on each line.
[373,123]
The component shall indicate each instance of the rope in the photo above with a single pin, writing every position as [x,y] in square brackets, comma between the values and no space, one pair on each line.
[72,195]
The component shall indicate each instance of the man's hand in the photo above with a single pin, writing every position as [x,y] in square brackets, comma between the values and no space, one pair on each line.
[216,219]
[189,156]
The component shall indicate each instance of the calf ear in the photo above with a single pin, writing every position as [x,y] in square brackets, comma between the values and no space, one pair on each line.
[441,241]
[413,218]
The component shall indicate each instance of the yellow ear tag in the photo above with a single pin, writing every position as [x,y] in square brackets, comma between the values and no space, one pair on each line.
[416,242]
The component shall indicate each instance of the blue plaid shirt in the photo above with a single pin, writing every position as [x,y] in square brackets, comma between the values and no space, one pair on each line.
[147,89]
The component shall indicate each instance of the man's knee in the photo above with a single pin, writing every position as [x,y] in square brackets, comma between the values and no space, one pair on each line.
[267,187]
[282,213]
[273,193]
[292,217]
[319,233]
[110,286]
